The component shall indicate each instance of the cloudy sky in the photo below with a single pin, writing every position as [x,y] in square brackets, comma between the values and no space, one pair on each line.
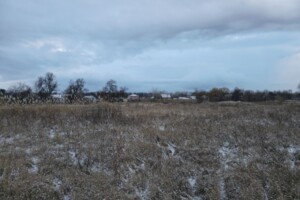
[170,45]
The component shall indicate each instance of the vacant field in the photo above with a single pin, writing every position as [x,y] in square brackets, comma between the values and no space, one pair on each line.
[150,151]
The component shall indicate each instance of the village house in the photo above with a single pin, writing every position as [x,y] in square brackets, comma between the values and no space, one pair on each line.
[133,97]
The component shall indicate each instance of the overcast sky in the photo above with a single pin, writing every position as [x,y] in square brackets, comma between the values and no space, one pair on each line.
[171,45]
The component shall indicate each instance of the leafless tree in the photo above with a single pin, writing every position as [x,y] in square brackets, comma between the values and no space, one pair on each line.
[20,90]
[45,86]
[76,89]
[111,86]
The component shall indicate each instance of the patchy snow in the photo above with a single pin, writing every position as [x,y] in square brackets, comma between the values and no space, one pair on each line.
[161,128]
[8,140]
[292,150]
[192,182]
[28,151]
[227,155]
[77,159]
[34,168]
[142,193]
[222,189]
[14,173]
[51,133]
[59,146]
[265,192]
[171,148]
[67,197]
[73,157]
[134,167]
[83,159]
[96,167]
[143,166]
[57,183]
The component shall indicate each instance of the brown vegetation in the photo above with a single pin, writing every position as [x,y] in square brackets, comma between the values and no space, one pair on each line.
[150,151]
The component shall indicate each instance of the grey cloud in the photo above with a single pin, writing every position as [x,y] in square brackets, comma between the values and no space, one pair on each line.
[129,40]
[146,18]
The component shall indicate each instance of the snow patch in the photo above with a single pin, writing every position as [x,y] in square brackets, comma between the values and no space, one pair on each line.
[96,167]
[171,148]
[227,155]
[34,168]
[4,140]
[73,157]
[14,173]
[142,193]
[192,182]
[77,159]
[67,197]
[28,151]
[222,189]
[292,150]
[52,133]
[161,128]
[57,183]
[265,192]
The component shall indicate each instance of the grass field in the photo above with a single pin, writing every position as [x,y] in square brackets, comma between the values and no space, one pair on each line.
[150,151]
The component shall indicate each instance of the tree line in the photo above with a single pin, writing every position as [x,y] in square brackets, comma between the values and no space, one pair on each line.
[46,86]
[224,94]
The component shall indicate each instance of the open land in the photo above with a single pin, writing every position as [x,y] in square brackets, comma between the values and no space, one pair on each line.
[150,151]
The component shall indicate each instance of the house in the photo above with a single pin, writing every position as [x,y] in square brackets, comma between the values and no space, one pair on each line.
[193,97]
[57,98]
[165,96]
[89,99]
[183,98]
[133,97]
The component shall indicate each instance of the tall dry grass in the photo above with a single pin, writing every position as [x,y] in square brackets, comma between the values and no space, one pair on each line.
[150,151]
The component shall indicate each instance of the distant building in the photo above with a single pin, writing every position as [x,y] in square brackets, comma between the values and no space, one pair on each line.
[133,97]
[90,99]
[193,97]
[183,98]
[57,96]
[165,96]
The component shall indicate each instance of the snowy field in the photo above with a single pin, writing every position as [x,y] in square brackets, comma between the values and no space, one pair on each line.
[150,151]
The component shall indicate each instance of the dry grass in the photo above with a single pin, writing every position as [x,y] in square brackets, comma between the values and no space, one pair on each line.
[150,151]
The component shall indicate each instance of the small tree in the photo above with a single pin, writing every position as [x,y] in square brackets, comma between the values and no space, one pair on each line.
[122,92]
[201,96]
[44,86]
[2,92]
[20,91]
[298,87]
[110,90]
[156,94]
[237,94]
[76,89]
[111,87]
[218,94]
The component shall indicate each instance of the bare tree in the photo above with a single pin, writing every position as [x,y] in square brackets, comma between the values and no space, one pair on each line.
[110,90]
[20,90]
[122,92]
[45,86]
[76,89]
[299,86]
[237,94]
[2,92]
[111,86]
